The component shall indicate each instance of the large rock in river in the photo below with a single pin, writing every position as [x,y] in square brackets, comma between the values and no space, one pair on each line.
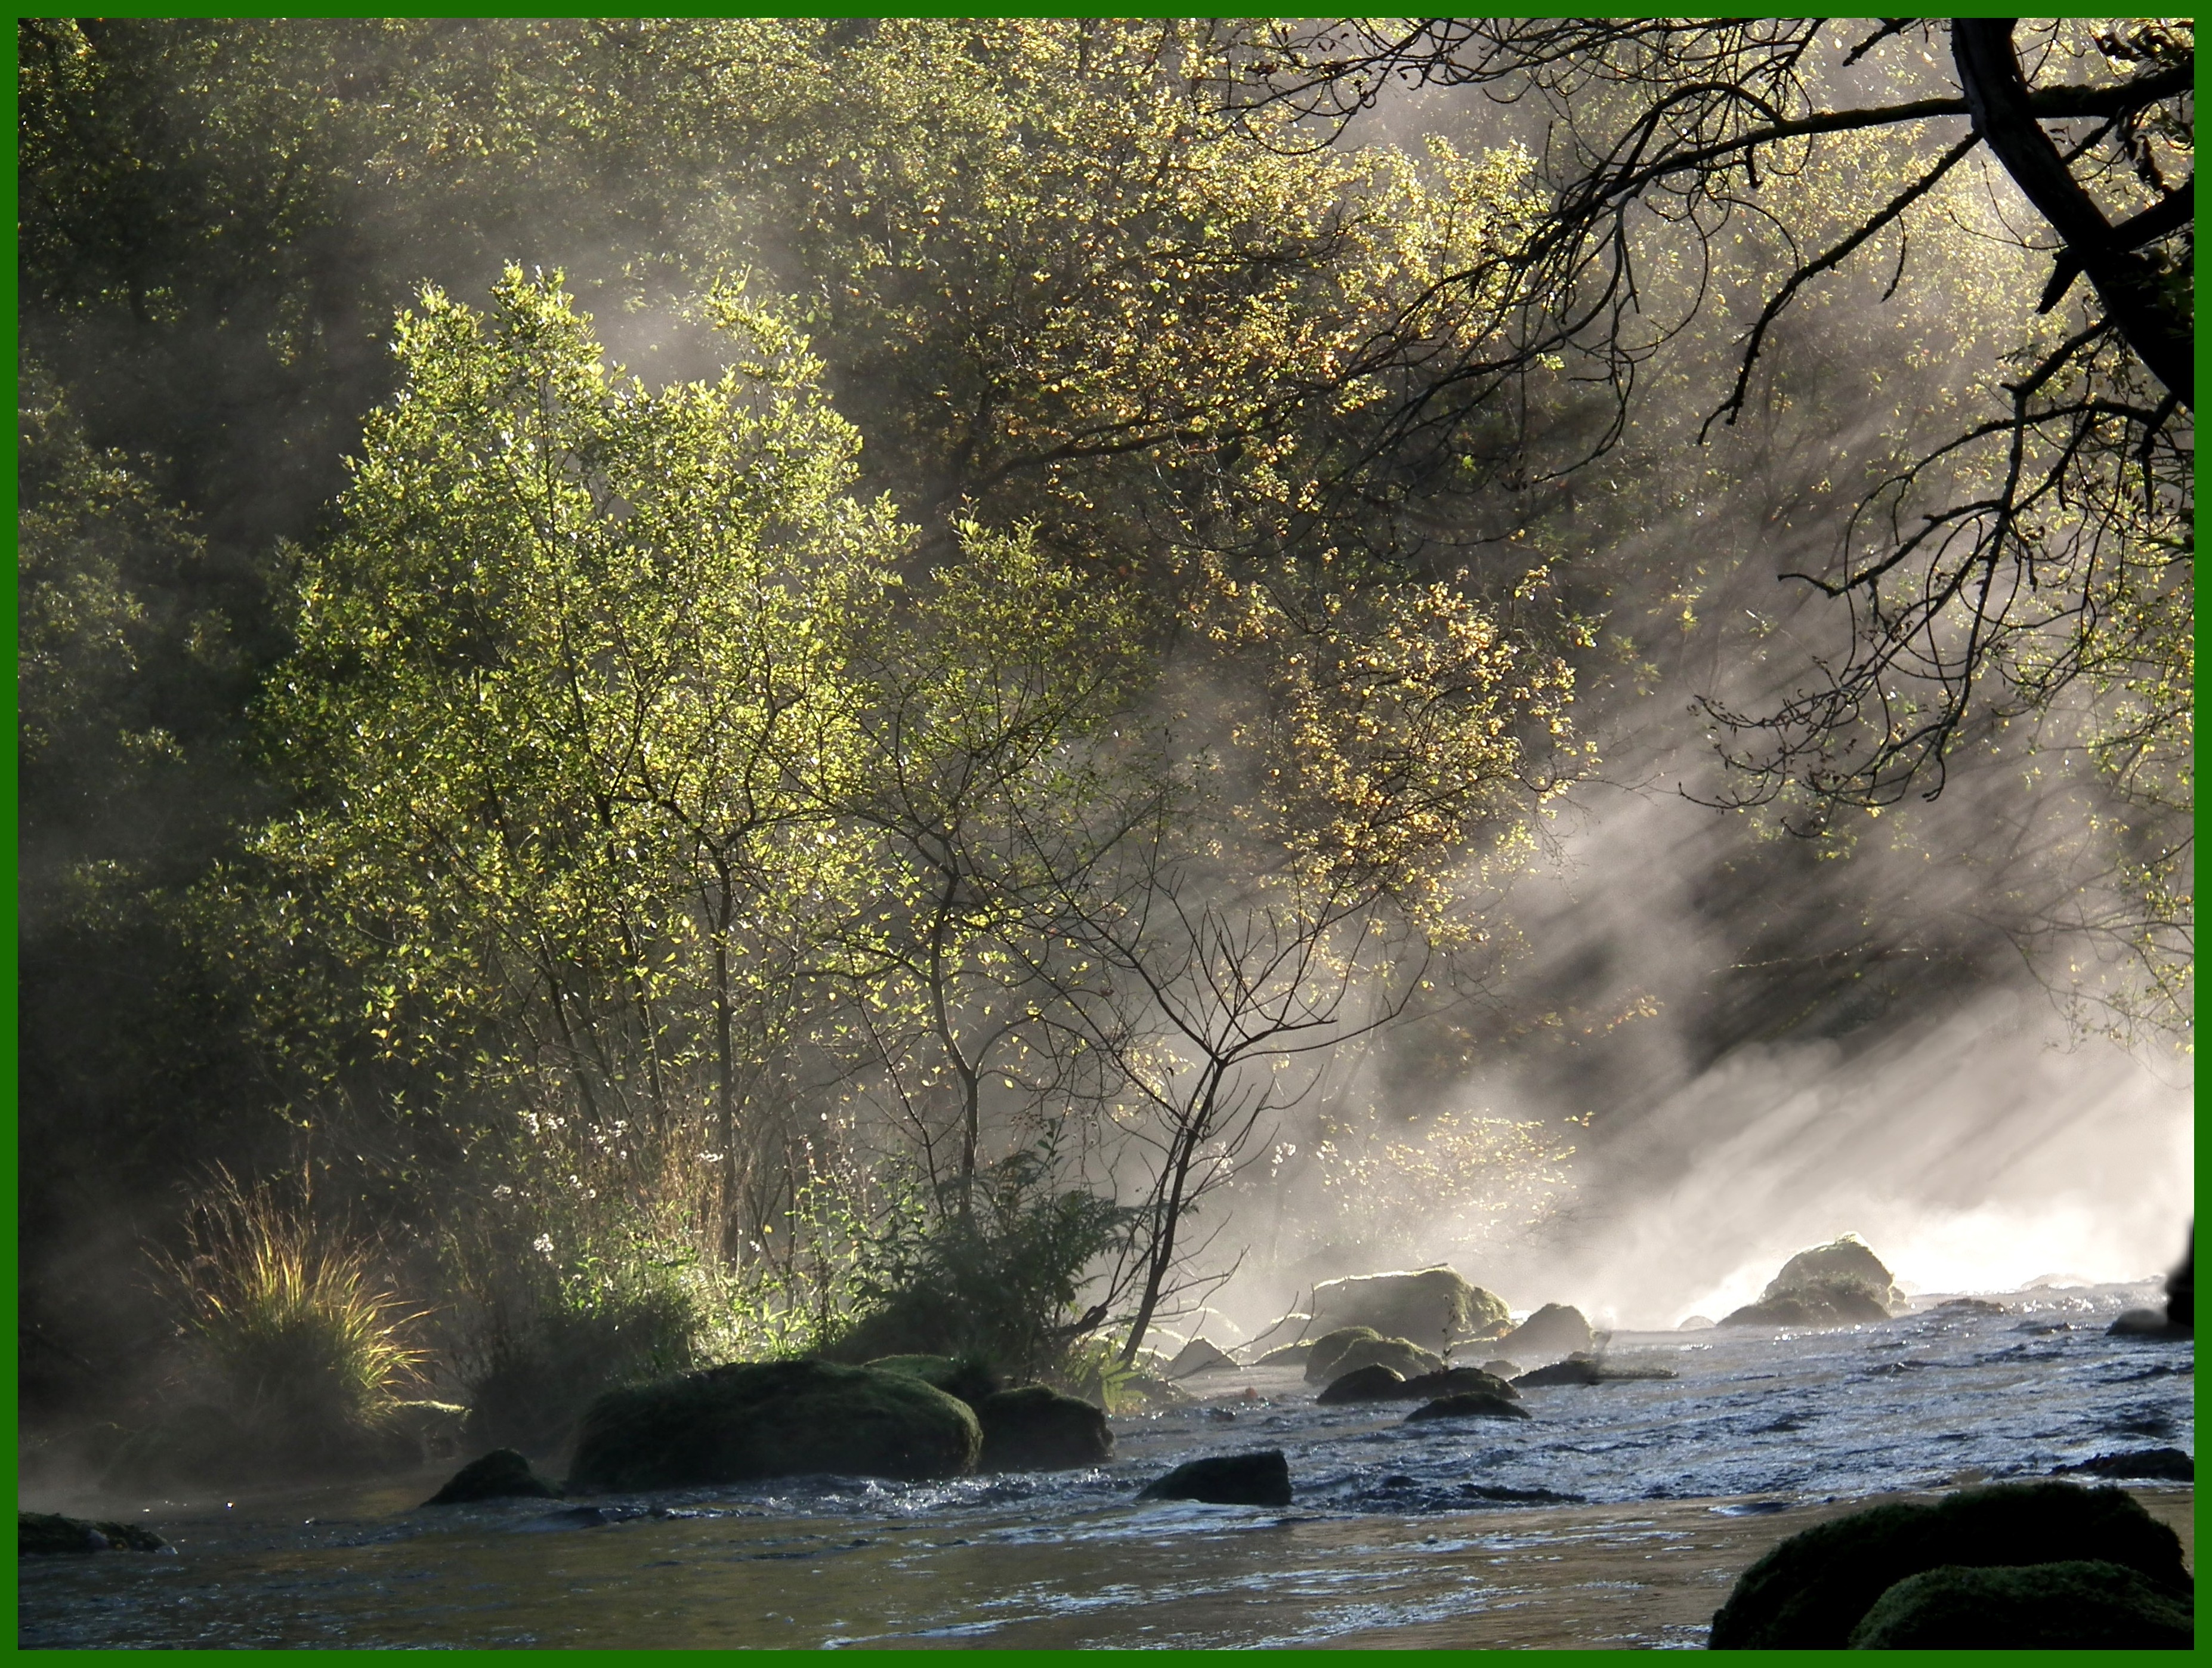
[1839,1284]
[1812,1591]
[1431,1306]
[1477,1404]
[1557,1329]
[734,1424]
[40,1534]
[503,1474]
[2074,1605]
[964,1377]
[1247,1479]
[1200,1355]
[1034,1429]
[1339,1353]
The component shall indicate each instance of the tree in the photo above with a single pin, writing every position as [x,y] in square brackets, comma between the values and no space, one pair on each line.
[565,703]
[1659,131]
[1382,748]
[2019,582]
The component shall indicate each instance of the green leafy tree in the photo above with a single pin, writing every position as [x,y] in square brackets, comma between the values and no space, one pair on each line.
[564,701]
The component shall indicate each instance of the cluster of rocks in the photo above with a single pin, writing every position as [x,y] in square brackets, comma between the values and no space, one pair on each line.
[2013,1566]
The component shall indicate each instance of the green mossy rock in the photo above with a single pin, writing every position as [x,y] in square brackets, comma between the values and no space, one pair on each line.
[1034,1429]
[1432,1306]
[1809,1592]
[1839,1284]
[503,1474]
[1364,1384]
[1477,1404]
[2076,1605]
[739,1423]
[44,1534]
[964,1377]
[1353,1347]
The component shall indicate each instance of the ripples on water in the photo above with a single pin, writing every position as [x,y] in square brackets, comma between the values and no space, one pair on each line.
[1392,1524]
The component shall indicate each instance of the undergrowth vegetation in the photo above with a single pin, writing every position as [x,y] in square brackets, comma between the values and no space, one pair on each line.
[287,1311]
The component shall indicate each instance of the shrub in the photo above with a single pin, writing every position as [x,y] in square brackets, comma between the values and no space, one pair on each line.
[301,1340]
[1000,1282]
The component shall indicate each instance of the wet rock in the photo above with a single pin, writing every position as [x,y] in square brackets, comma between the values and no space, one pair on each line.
[1557,1329]
[2181,1289]
[1200,1356]
[1968,1306]
[1431,1306]
[1575,1370]
[1812,1591]
[1695,1324]
[42,1534]
[966,1378]
[2072,1605]
[734,1424]
[1246,1479]
[1478,1404]
[1461,1381]
[1364,1384]
[1034,1428]
[1340,1351]
[1839,1284]
[1504,1496]
[503,1474]
[2147,1324]
[1586,1370]
[2164,1464]
[1501,1368]
[1810,1309]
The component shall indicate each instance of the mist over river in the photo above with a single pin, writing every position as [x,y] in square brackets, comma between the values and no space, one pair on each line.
[1618,1514]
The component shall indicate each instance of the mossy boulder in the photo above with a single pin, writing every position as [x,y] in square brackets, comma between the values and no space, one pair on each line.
[2163,1465]
[1431,1306]
[503,1474]
[1362,1384]
[966,1378]
[2077,1604]
[1288,1355]
[1478,1404]
[1460,1381]
[1350,1348]
[1200,1356]
[766,1419]
[1557,1329]
[1034,1428]
[44,1534]
[1813,1590]
[1842,1283]
[1382,1383]
[1246,1479]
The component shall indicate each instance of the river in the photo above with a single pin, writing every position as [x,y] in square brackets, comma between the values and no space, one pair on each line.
[1618,1514]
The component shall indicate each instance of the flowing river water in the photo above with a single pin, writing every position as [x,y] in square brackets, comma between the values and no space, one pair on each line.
[1618,1514]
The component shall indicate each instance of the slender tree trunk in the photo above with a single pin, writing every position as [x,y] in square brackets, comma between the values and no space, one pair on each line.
[1160,1257]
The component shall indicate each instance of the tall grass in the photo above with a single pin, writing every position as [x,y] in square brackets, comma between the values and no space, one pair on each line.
[288,1311]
